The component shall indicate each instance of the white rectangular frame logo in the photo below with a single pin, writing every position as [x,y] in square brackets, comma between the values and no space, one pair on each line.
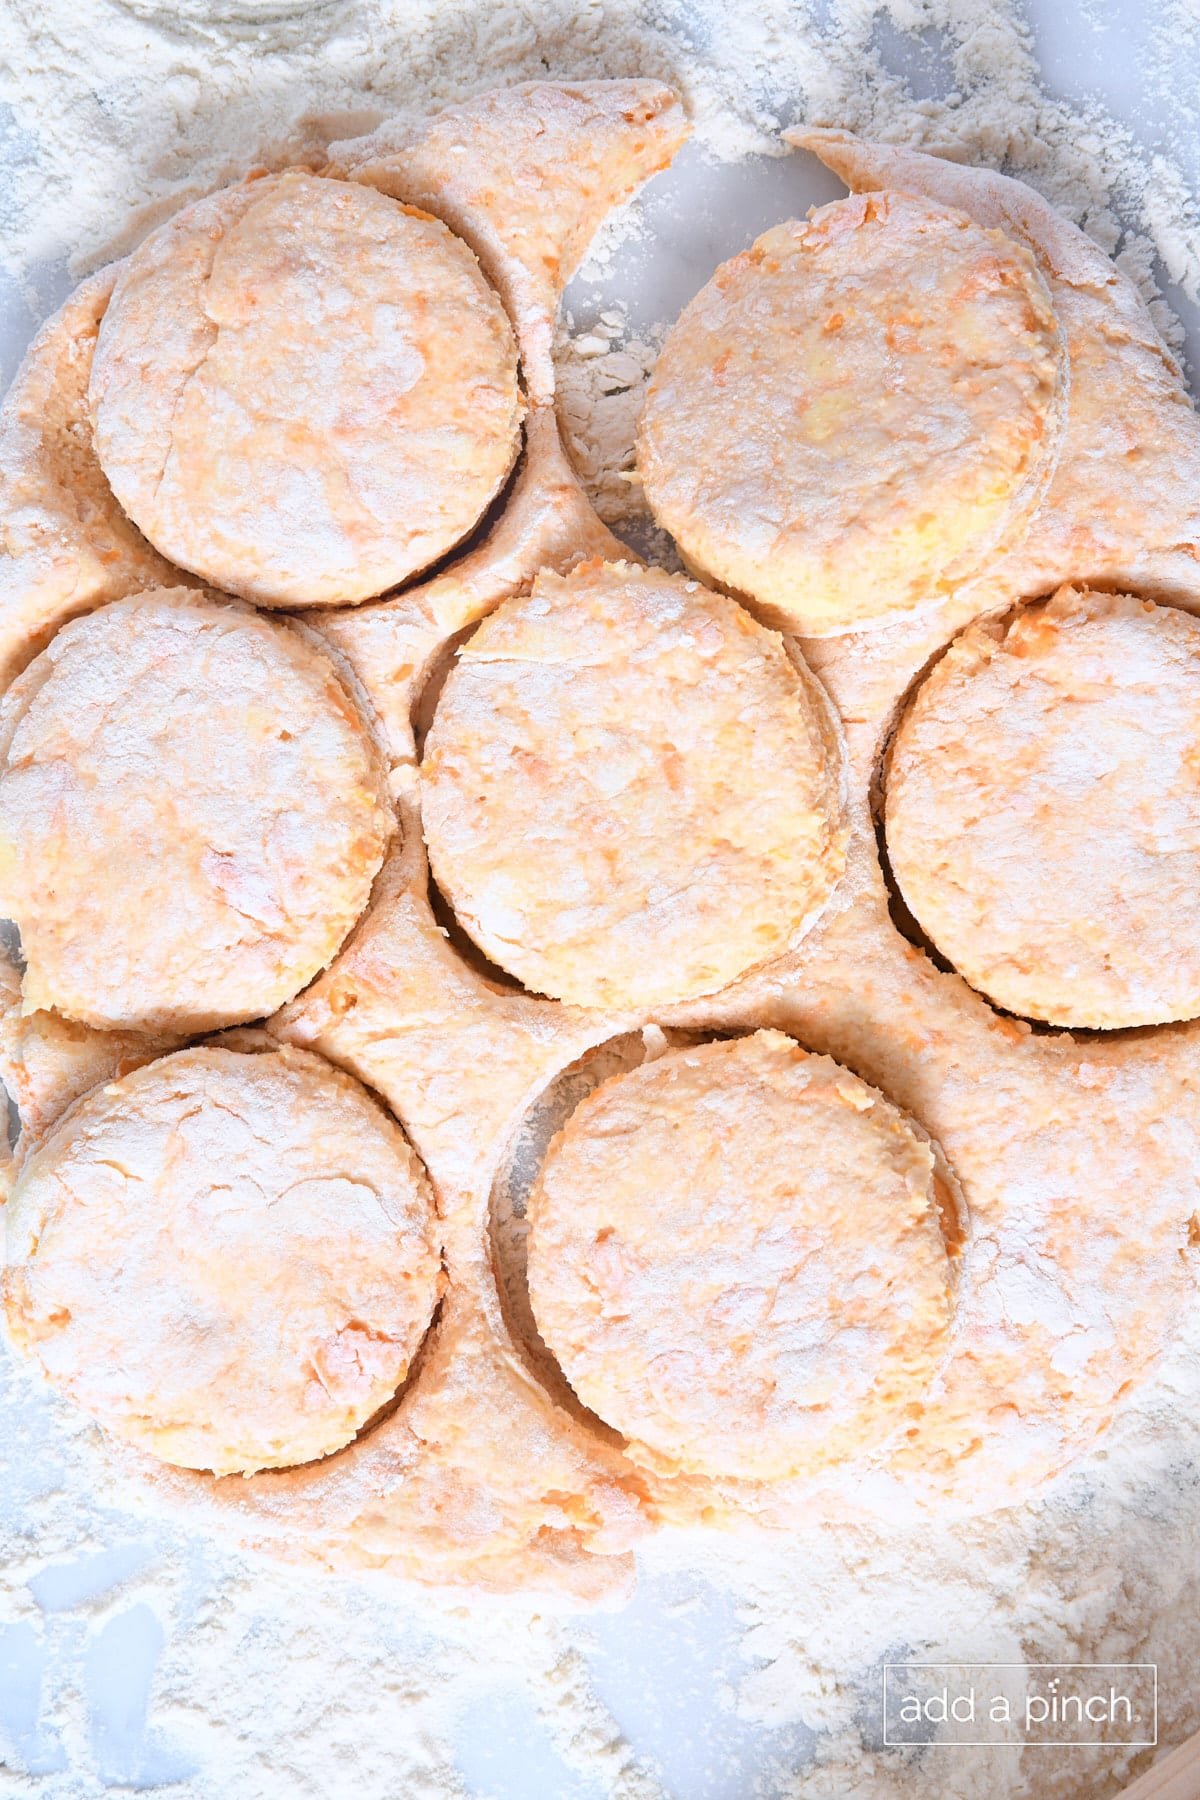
[1007,1743]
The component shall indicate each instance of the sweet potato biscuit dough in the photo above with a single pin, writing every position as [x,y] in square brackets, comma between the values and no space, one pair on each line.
[1080,1203]
[737,1256]
[229,1259]
[304,391]
[65,544]
[630,791]
[1043,809]
[192,812]
[1082,1207]
[855,411]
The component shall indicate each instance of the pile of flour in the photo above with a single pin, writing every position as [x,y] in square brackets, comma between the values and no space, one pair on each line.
[744,1665]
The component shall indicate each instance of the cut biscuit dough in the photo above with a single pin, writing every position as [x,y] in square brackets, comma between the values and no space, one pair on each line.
[855,411]
[1080,1202]
[303,391]
[737,1255]
[192,812]
[631,793]
[1043,809]
[229,1259]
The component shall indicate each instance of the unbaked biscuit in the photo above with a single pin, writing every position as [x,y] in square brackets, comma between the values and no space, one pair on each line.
[740,1256]
[304,391]
[228,1259]
[631,791]
[855,411]
[192,812]
[1043,810]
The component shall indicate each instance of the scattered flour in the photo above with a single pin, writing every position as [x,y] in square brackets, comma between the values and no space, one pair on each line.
[257,1681]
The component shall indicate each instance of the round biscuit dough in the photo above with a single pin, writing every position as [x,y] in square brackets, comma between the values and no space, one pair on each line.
[1043,810]
[738,1254]
[304,391]
[631,791]
[228,1259]
[192,812]
[855,411]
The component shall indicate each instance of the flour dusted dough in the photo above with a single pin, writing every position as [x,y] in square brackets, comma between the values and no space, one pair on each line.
[1081,1204]
[737,1255]
[192,812]
[1043,810]
[65,544]
[304,391]
[631,792]
[1079,1200]
[855,411]
[525,175]
[228,1258]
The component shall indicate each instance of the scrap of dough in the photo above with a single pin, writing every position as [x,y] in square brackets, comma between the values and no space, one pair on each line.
[525,175]
[737,1255]
[65,544]
[855,411]
[192,812]
[631,793]
[1043,809]
[228,1259]
[303,391]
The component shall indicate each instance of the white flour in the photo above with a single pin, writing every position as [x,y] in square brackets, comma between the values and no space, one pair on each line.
[262,1682]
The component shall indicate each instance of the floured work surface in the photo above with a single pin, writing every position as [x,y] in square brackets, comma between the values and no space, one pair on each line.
[1075,1156]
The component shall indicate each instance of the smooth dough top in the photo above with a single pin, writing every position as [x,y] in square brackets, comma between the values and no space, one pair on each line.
[1043,810]
[304,391]
[192,812]
[228,1259]
[630,792]
[855,411]
[737,1254]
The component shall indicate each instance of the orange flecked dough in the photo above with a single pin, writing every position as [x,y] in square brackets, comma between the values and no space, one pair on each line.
[1043,809]
[856,411]
[631,790]
[737,1254]
[304,391]
[192,812]
[228,1258]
